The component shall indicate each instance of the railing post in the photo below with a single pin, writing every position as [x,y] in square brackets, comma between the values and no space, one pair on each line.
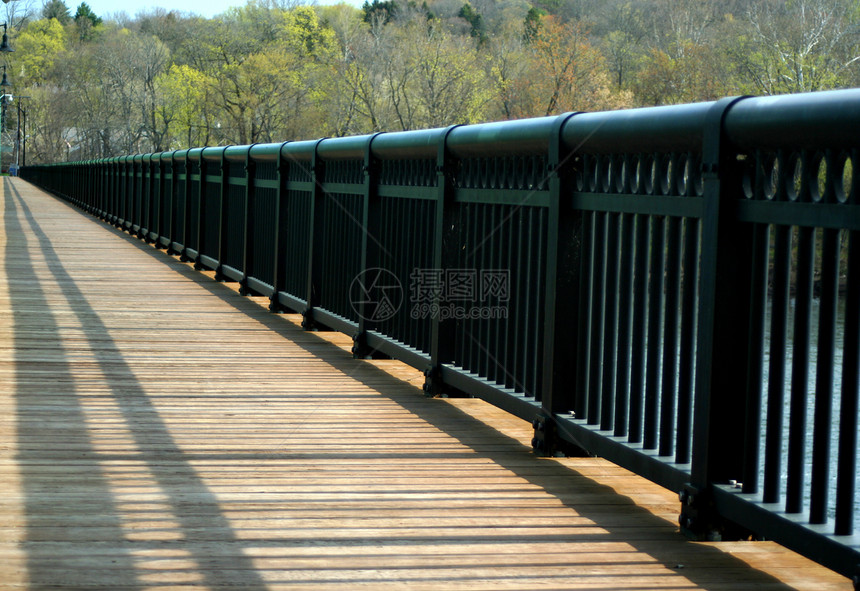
[201,207]
[102,186]
[171,212]
[315,239]
[186,223]
[223,190]
[247,239]
[157,199]
[561,299]
[369,244]
[441,334]
[722,367]
[123,197]
[152,197]
[119,191]
[165,213]
[279,272]
[110,190]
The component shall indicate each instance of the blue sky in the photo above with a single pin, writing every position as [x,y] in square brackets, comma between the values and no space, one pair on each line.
[207,8]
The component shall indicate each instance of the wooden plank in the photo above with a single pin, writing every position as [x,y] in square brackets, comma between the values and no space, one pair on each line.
[157,430]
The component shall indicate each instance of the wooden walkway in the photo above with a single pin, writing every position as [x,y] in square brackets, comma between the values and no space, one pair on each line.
[159,431]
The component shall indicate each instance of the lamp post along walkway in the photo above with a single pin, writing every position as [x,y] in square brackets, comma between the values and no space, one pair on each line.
[4,86]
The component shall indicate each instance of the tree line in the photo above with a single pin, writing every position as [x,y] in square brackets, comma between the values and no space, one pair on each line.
[273,70]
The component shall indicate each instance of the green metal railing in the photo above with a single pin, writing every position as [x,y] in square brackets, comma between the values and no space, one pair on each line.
[657,286]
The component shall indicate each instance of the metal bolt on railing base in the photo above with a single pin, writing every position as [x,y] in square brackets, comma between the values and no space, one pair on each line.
[700,521]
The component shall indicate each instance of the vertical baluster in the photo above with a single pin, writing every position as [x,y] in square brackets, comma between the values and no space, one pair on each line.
[640,311]
[537,280]
[625,313]
[686,362]
[521,318]
[583,360]
[776,372]
[513,330]
[521,377]
[598,296]
[847,466]
[485,327]
[655,325]
[755,356]
[669,392]
[504,337]
[824,377]
[392,257]
[610,344]
[495,332]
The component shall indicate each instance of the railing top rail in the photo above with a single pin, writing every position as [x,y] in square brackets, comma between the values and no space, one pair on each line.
[408,145]
[213,154]
[344,148]
[265,152]
[236,153]
[524,136]
[651,129]
[811,120]
[194,154]
[301,151]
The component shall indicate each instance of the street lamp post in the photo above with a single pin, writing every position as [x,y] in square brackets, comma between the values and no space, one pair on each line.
[4,44]
[18,134]
[24,138]
[4,86]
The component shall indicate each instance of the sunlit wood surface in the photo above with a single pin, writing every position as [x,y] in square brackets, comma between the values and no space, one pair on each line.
[158,431]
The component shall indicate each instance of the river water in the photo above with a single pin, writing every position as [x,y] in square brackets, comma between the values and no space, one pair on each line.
[810,389]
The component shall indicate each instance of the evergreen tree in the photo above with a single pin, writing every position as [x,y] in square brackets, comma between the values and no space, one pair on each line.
[85,12]
[57,9]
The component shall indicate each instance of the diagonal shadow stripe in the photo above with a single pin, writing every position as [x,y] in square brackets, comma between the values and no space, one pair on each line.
[154,438]
[39,356]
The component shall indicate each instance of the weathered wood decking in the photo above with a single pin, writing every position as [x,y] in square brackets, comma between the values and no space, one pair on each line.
[157,430]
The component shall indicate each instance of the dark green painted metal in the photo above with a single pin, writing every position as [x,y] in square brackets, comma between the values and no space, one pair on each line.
[408,144]
[847,467]
[777,370]
[796,121]
[757,317]
[526,136]
[796,481]
[370,246]
[441,334]
[654,130]
[562,260]
[722,315]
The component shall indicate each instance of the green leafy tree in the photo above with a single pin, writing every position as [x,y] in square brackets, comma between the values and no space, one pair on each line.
[185,94]
[38,47]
